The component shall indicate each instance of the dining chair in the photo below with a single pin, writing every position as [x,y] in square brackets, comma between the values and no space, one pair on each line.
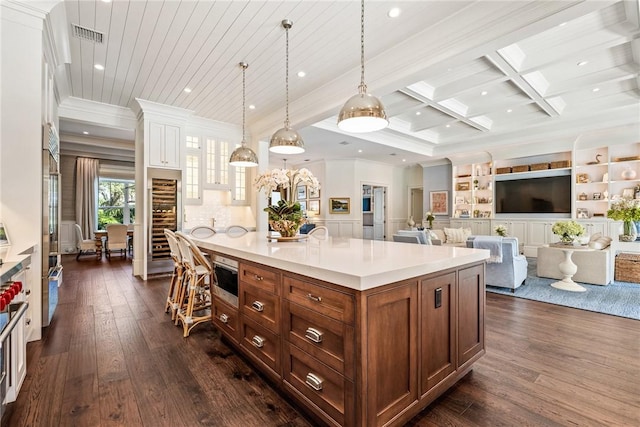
[130,239]
[82,244]
[175,286]
[116,239]
[202,231]
[194,301]
[319,232]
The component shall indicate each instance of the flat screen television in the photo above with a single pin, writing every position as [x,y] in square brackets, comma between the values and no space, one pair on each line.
[547,195]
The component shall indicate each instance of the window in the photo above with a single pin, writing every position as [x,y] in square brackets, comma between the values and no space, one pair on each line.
[192,180]
[116,202]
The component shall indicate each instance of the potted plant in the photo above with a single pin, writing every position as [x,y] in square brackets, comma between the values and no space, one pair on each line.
[287,216]
[627,211]
[501,230]
[568,231]
[429,217]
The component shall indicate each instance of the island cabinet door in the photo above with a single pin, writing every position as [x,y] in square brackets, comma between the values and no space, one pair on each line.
[225,317]
[471,301]
[438,329]
[391,349]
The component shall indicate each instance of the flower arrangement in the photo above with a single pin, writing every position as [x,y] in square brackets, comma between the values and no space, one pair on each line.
[628,211]
[429,217]
[567,230]
[287,216]
[501,230]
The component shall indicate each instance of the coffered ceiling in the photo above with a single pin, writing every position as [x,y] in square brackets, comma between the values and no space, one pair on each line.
[455,76]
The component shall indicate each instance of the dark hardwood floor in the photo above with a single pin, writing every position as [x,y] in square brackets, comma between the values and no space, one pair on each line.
[113,357]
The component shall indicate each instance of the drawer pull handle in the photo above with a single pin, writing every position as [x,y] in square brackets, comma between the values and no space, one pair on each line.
[257,306]
[258,341]
[314,381]
[313,335]
[314,298]
[259,278]
[224,318]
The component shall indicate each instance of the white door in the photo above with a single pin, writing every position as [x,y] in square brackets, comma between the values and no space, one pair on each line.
[378,213]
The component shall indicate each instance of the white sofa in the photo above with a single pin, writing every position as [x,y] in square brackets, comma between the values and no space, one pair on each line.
[594,266]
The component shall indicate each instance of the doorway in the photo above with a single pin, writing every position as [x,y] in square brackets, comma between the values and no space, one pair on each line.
[374,207]
[416,204]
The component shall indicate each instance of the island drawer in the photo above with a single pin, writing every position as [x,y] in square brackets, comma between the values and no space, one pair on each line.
[331,303]
[225,318]
[262,343]
[326,388]
[260,306]
[264,278]
[326,339]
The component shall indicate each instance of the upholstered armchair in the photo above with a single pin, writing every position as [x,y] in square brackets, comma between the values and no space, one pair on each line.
[512,271]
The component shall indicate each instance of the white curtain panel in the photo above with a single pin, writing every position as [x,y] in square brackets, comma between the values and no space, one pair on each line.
[86,192]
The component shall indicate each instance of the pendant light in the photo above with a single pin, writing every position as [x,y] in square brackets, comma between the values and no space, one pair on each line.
[243,156]
[286,140]
[362,112]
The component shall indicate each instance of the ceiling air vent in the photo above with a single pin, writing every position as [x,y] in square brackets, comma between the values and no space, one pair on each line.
[85,33]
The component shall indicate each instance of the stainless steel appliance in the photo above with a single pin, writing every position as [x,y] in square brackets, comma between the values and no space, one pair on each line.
[225,271]
[51,267]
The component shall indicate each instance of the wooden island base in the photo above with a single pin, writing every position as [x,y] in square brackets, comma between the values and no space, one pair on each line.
[375,357]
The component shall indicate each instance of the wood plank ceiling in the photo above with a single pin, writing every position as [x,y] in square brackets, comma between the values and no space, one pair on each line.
[570,63]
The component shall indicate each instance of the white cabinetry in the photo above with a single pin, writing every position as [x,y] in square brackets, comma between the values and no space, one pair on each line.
[594,226]
[480,227]
[367,232]
[514,229]
[18,345]
[592,182]
[473,190]
[164,145]
[539,233]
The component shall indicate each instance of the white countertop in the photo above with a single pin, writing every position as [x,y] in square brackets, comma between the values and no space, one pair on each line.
[354,263]
[12,261]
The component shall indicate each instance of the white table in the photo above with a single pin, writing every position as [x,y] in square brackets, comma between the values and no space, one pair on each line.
[568,268]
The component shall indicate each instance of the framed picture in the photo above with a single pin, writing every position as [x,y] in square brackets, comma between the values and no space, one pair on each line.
[459,200]
[4,237]
[582,213]
[627,193]
[313,206]
[439,202]
[339,205]
[582,178]
[313,194]
[303,205]
[301,192]
[597,196]
[462,186]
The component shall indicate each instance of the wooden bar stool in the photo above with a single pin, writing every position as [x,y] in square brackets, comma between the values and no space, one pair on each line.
[175,286]
[195,296]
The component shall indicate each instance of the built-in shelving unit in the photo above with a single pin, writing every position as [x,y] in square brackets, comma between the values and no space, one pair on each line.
[473,190]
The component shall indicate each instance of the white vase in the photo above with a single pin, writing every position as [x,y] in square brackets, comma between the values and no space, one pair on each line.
[410,222]
[628,174]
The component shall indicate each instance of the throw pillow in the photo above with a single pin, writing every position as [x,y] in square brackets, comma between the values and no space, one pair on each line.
[595,237]
[457,235]
[601,243]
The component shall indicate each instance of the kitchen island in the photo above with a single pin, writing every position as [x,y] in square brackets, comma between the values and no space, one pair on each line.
[358,332]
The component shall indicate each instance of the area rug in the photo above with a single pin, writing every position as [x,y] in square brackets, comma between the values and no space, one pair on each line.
[618,298]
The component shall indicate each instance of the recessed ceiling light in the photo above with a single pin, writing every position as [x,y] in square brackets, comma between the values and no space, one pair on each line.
[359,151]
[99,67]
[394,12]
[448,126]
[562,25]
[187,90]
[483,93]
[252,107]
[582,63]
[418,113]
[596,89]
[85,132]
[404,160]
[301,74]
[509,110]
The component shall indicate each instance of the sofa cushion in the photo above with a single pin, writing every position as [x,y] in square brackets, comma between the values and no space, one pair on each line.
[457,235]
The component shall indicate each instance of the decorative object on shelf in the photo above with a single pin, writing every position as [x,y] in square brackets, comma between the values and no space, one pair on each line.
[501,230]
[582,213]
[540,166]
[605,177]
[626,210]
[605,195]
[439,202]
[520,168]
[561,164]
[596,161]
[287,216]
[286,140]
[339,205]
[597,196]
[568,231]
[636,192]
[582,178]
[362,112]
[627,193]
[429,217]
[628,174]
[626,159]
[582,196]
[475,184]
[503,170]
[462,186]
[410,222]
[243,156]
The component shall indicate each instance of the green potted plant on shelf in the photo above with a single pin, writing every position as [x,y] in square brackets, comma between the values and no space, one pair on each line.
[628,211]
[568,231]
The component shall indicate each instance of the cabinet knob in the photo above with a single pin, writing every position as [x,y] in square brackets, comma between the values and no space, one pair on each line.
[258,341]
[314,381]
[257,306]
[224,318]
[312,334]
[314,298]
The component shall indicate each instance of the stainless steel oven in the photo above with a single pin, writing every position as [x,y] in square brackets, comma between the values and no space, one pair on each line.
[225,271]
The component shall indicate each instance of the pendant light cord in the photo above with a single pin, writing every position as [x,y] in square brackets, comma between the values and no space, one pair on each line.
[244,68]
[363,87]
[286,80]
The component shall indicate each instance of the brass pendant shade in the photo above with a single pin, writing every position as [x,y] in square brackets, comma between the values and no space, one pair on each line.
[286,140]
[243,156]
[362,112]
